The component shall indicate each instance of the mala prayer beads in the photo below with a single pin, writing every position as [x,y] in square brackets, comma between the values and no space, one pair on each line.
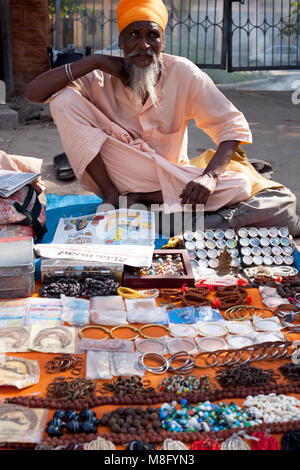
[76,287]
[290,371]
[230,295]
[291,440]
[205,417]
[245,376]
[132,420]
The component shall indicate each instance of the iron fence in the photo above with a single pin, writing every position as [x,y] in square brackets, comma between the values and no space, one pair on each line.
[232,34]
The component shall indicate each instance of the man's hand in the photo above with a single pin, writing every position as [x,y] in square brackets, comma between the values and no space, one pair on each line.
[114,66]
[198,190]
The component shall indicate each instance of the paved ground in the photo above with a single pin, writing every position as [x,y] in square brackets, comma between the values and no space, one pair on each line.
[273,118]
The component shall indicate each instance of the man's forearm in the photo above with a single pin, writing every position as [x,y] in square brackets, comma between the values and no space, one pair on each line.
[222,157]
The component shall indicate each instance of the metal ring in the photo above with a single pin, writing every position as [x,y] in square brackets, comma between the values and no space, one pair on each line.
[233,352]
[155,370]
[174,356]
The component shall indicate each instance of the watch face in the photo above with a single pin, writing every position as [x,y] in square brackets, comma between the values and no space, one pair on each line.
[273,232]
[278,260]
[263,232]
[258,260]
[256,251]
[264,242]
[229,234]
[244,241]
[200,245]
[188,236]
[192,254]
[246,251]
[202,254]
[287,250]
[283,232]
[199,235]
[274,241]
[209,235]
[248,260]
[234,252]
[203,263]
[243,232]
[268,260]
[231,243]
[210,244]
[221,244]
[213,263]
[285,241]
[266,250]
[288,260]
[254,241]
[253,232]
[276,250]
[212,253]
[190,245]
[219,234]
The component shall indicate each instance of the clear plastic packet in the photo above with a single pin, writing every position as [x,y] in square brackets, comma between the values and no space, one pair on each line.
[184,331]
[271,298]
[98,365]
[207,313]
[240,341]
[119,345]
[269,337]
[108,310]
[15,339]
[156,315]
[152,345]
[140,304]
[58,339]
[76,312]
[44,311]
[269,324]
[125,364]
[13,313]
[22,424]
[18,372]
[182,315]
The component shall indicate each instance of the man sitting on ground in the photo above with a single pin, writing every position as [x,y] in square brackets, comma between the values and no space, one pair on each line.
[123,125]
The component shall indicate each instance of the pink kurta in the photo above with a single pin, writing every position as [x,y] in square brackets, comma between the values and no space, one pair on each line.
[145,148]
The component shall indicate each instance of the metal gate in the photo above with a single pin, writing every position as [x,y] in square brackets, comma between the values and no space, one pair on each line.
[226,34]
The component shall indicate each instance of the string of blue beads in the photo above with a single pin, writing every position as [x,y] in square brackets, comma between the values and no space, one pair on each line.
[205,416]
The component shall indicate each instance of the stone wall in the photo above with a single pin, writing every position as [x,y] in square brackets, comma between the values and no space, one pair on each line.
[30,38]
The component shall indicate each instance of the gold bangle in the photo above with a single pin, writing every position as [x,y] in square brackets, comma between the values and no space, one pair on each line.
[98,327]
[128,293]
[124,326]
[148,326]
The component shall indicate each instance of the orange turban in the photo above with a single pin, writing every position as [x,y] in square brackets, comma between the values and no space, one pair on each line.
[129,11]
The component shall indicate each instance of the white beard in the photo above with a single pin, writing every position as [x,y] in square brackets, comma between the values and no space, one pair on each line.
[143,80]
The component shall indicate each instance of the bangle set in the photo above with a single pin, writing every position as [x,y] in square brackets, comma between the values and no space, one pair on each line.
[111,333]
[69,73]
[166,364]
[245,312]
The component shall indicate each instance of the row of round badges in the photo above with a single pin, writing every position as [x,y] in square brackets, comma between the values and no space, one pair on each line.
[204,247]
[268,246]
[258,246]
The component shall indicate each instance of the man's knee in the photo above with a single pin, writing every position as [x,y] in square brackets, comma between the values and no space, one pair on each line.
[64,100]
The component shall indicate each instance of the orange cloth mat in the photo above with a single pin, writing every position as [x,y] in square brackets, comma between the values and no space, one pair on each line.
[45,378]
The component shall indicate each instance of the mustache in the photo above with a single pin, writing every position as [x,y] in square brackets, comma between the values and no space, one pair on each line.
[135,52]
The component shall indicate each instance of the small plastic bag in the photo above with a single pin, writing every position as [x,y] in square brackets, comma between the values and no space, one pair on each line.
[108,310]
[207,313]
[124,364]
[152,345]
[98,365]
[18,372]
[119,345]
[182,315]
[76,312]
[15,339]
[271,298]
[156,315]
[22,424]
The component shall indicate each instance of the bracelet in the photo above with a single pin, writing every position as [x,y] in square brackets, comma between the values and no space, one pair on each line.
[69,72]
[88,327]
[154,370]
[186,367]
[143,335]
[111,332]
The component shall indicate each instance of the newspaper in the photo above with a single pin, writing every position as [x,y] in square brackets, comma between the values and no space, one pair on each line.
[11,181]
[123,236]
